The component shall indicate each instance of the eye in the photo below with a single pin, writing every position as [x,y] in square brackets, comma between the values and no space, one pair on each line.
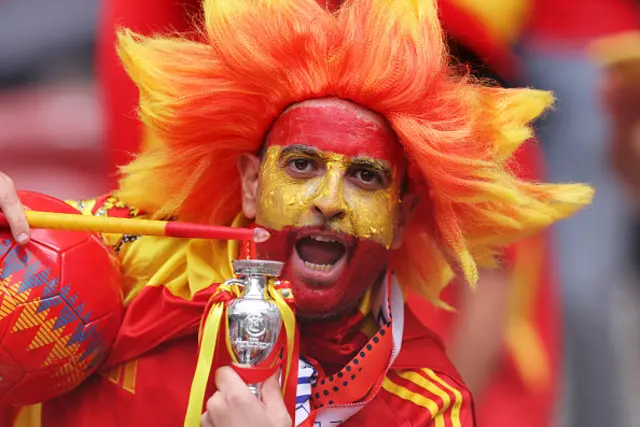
[368,179]
[301,165]
[366,175]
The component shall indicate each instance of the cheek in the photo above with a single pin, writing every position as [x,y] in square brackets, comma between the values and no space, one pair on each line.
[283,201]
[373,215]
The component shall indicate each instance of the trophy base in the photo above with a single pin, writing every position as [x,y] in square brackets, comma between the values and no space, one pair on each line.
[255,389]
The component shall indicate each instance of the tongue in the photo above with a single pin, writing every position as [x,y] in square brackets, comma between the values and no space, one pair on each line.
[317,252]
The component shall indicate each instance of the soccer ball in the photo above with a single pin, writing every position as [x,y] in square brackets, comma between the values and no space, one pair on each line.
[60,308]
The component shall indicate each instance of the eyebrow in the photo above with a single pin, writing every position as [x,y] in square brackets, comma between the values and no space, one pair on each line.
[300,149]
[374,164]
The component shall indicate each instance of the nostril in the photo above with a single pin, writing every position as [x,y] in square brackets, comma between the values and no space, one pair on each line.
[330,213]
[339,215]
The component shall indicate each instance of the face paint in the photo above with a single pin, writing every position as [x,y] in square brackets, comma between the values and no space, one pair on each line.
[337,126]
[329,193]
[323,294]
[353,196]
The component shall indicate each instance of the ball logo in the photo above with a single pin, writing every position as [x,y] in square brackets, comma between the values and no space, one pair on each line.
[255,325]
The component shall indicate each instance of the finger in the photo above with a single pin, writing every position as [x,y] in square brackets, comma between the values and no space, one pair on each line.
[14,212]
[274,402]
[215,410]
[205,420]
[227,379]
[271,392]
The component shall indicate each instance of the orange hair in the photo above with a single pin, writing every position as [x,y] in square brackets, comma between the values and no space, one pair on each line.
[208,99]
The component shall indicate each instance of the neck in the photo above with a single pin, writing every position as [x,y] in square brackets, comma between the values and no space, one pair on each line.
[333,340]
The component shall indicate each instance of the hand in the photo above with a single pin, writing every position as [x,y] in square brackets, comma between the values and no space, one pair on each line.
[233,405]
[14,212]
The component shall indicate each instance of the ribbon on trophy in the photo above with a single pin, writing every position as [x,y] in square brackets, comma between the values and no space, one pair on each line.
[284,353]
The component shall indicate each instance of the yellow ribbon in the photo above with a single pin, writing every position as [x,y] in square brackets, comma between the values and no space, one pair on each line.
[209,328]
[289,321]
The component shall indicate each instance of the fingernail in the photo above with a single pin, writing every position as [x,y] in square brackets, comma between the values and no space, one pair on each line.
[23,238]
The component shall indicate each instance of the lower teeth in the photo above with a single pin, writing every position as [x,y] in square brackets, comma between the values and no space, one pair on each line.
[318,267]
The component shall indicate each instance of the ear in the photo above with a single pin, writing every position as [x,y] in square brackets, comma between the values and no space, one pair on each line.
[249,168]
[406,210]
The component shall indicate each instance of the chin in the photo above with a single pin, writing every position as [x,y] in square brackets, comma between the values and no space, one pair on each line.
[314,304]
[329,271]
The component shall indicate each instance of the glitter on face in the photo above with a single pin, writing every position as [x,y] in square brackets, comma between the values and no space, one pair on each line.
[354,195]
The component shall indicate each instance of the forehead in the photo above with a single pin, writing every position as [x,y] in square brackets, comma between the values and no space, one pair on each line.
[339,127]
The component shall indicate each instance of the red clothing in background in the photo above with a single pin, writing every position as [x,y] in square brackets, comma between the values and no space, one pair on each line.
[581,21]
[124,133]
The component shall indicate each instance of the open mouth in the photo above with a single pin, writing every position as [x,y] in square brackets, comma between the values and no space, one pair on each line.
[320,257]
[320,253]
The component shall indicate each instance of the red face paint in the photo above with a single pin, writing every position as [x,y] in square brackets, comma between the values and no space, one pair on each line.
[340,127]
[366,262]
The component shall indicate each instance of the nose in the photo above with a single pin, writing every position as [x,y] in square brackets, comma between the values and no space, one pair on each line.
[330,209]
[329,201]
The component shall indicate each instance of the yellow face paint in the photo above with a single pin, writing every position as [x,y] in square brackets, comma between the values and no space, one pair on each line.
[310,187]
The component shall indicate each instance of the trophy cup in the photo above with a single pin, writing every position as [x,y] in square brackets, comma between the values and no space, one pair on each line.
[254,319]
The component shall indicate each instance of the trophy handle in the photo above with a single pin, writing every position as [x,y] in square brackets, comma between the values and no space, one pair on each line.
[234,282]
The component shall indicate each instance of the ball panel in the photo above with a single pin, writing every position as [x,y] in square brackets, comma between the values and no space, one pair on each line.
[98,336]
[36,387]
[6,243]
[32,271]
[104,269]
[35,341]
[27,273]
[10,373]
[7,310]
[7,303]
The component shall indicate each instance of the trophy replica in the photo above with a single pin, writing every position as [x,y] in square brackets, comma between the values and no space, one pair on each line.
[254,319]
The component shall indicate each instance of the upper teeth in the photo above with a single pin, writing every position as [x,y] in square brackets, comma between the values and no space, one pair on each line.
[324,239]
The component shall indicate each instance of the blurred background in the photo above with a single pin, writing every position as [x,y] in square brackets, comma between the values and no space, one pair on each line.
[51,127]
[566,352]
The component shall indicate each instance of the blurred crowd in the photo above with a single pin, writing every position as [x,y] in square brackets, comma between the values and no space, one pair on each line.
[553,339]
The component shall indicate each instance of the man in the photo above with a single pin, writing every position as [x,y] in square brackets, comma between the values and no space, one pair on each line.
[499,379]
[370,162]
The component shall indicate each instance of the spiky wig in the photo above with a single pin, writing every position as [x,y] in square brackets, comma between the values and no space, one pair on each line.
[207,99]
